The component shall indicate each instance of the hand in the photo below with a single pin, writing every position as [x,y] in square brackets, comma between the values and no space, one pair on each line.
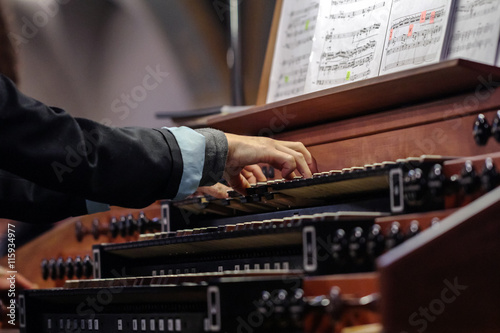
[218,190]
[252,173]
[21,282]
[285,156]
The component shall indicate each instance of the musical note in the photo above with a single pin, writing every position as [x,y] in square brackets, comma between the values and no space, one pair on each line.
[417,34]
[343,2]
[312,8]
[292,49]
[363,11]
[349,53]
[476,31]
[351,37]
[410,61]
[337,81]
[363,32]
[415,18]
[412,46]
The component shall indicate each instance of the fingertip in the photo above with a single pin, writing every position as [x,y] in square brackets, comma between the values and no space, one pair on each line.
[240,184]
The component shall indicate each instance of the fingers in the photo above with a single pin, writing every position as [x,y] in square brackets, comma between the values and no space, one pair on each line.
[253,173]
[298,163]
[288,157]
[238,182]
[24,283]
[301,154]
[249,176]
[304,162]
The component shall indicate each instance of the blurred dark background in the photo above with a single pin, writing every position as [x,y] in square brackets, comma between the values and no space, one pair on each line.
[97,58]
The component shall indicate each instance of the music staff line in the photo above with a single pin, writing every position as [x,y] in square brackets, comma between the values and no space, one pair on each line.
[411,46]
[475,44]
[299,30]
[364,11]
[301,22]
[352,77]
[360,32]
[412,60]
[415,18]
[299,71]
[296,83]
[344,2]
[289,92]
[298,42]
[463,15]
[435,29]
[304,11]
[352,63]
[471,8]
[473,33]
[329,56]
[295,60]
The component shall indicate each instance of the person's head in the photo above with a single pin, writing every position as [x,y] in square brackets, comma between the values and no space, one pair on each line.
[7,53]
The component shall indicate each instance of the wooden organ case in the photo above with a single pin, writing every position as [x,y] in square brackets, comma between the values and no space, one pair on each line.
[411,240]
[449,110]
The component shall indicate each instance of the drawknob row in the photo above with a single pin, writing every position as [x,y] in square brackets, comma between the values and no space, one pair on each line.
[59,269]
[482,130]
[125,226]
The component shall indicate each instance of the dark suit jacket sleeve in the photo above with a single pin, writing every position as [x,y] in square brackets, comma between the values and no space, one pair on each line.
[26,201]
[128,167]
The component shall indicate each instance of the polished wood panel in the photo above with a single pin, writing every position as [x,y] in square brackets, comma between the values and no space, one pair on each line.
[430,111]
[446,278]
[447,138]
[60,241]
[418,85]
[400,117]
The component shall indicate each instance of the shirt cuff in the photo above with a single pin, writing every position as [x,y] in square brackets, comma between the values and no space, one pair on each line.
[216,148]
[192,146]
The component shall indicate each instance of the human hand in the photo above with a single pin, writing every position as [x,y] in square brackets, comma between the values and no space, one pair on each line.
[7,283]
[285,156]
[21,281]
[252,173]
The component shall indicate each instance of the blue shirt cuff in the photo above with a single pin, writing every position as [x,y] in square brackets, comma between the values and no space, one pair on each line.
[96,207]
[192,146]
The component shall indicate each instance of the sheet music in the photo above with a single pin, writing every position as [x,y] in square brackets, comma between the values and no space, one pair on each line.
[348,42]
[417,34]
[476,31]
[497,62]
[293,49]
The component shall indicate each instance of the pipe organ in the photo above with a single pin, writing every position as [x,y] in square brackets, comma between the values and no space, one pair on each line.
[397,232]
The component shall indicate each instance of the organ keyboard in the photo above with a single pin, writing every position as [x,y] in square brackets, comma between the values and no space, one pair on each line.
[404,185]
[267,301]
[314,244]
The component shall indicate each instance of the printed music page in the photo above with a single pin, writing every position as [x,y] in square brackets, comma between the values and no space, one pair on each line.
[419,33]
[292,50]
[348,42]
[497,62]
[476,31]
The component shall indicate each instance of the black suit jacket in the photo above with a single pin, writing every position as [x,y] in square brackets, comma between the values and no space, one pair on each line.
[50,162]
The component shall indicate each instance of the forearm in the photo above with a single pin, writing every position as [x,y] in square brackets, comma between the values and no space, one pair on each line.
[128,167]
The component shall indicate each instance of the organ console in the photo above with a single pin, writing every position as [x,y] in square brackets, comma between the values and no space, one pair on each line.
[65,251]
[397,233]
